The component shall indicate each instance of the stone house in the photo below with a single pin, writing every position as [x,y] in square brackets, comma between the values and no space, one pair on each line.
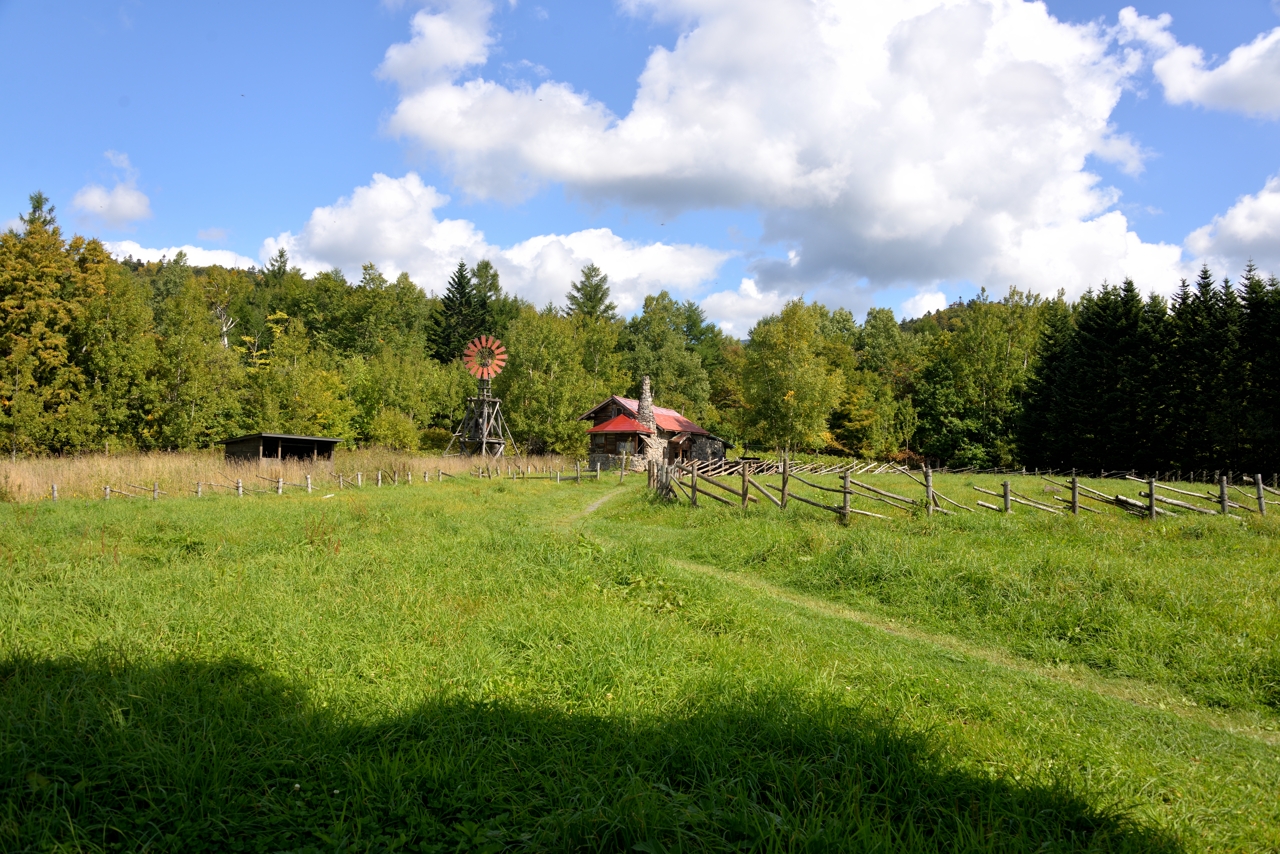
[643,432]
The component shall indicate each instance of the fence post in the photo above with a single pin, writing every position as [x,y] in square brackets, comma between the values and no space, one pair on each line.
[308,484]
[339,480]
[239,488]
[786,469]
[279,486]
[379,477]
[106,493]
[1222,493]
[1257,482]
[557,475]
[693,493]
[1075,496]
[54,492]
[199,489]
[1151,498]
[844,500]
[928,489]
[597,472]
[1008,502]
[155,491]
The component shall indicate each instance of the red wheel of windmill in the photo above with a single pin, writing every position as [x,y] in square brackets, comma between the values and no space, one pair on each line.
[485,357]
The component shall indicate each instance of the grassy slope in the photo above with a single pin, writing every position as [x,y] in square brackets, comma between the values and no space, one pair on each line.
[478,665]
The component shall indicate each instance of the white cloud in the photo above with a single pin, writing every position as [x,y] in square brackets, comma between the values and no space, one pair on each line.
[923,303]
[392,222]
[197,256]
[1249,230]
[122,205]
[901,142]
[737,311]
[14,224]
[217,235]
[1247,82]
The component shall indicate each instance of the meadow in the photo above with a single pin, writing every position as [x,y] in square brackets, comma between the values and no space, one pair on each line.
[489,665]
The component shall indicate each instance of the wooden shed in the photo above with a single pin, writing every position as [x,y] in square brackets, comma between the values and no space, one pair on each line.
[278,446]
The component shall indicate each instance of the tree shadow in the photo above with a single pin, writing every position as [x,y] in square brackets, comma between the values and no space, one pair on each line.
[106,755]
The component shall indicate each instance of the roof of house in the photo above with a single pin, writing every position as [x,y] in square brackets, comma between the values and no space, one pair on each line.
[668,419]
[621,424]
[276,436]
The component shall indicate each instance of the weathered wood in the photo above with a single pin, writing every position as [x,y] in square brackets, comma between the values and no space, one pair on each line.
[1078,506]
[1026,499]
[764,492]
[786,469]
[698,490]
[1151,498]
[1137,506]
[1262,496]
[928,491]
[1007,508]
[1223,503]
[1075,496]
[693,495]
[745,494]
[1173,502]
[989,506]
[833,509]
[937,494]
[882,492]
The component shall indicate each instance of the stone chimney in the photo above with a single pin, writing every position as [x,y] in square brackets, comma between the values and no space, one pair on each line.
[645,410]
[651,447]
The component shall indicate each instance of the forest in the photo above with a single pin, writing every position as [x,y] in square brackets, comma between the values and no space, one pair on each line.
[101,354]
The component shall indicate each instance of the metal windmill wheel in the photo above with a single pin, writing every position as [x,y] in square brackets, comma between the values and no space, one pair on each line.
[485,357]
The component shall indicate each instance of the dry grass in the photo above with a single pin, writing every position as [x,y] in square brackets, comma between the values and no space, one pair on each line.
[176,474]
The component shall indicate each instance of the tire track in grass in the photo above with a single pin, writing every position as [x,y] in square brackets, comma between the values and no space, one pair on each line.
[1133,691]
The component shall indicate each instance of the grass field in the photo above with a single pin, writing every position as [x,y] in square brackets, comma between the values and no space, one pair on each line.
[489,666]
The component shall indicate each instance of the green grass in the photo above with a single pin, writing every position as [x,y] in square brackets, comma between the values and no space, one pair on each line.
[484,666]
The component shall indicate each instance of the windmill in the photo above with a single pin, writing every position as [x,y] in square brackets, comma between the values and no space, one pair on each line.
[483,430]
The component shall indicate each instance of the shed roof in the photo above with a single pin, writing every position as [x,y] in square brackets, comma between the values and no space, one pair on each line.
[668,419]
[276,436]
[621,424]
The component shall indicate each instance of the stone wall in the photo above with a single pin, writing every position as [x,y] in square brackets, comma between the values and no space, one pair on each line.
[707,450]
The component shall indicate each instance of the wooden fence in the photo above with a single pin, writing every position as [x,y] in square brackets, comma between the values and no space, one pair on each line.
[743,482]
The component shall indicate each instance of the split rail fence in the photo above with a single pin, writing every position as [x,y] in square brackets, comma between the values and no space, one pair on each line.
[745,482]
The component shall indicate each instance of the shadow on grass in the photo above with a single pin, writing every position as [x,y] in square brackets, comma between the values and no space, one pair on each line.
[107,755]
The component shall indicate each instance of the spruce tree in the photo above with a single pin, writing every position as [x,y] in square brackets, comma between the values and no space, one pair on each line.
[1260,359]
[463,315]
[589,298]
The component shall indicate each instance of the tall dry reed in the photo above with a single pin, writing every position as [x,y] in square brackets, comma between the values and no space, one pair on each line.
[177,473]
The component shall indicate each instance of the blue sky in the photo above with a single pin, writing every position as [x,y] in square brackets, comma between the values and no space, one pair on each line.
[769,157]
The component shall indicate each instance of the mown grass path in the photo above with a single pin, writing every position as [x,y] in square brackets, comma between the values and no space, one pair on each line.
[531,666]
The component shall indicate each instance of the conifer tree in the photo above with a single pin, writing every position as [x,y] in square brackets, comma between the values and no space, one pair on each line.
[463,314]
[589,298]
[1260,358]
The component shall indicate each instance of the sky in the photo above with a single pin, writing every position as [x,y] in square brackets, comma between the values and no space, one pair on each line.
[740,153]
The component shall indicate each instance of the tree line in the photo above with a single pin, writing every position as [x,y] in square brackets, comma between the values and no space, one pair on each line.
[105,354]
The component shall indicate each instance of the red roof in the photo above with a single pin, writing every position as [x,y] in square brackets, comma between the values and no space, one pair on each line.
[668,419]
[621,424]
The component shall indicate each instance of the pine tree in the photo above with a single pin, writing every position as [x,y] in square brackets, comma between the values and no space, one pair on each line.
[589,298]
[1260,358]
[463,315]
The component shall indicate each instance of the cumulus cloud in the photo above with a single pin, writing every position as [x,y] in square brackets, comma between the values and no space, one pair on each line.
[392,222]
[197,256]
[737,311]
[1249,230]
[1248,81]
[892,142]
[923,303]
[120,206]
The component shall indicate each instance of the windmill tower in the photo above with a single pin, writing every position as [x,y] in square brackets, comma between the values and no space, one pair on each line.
[483,430]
